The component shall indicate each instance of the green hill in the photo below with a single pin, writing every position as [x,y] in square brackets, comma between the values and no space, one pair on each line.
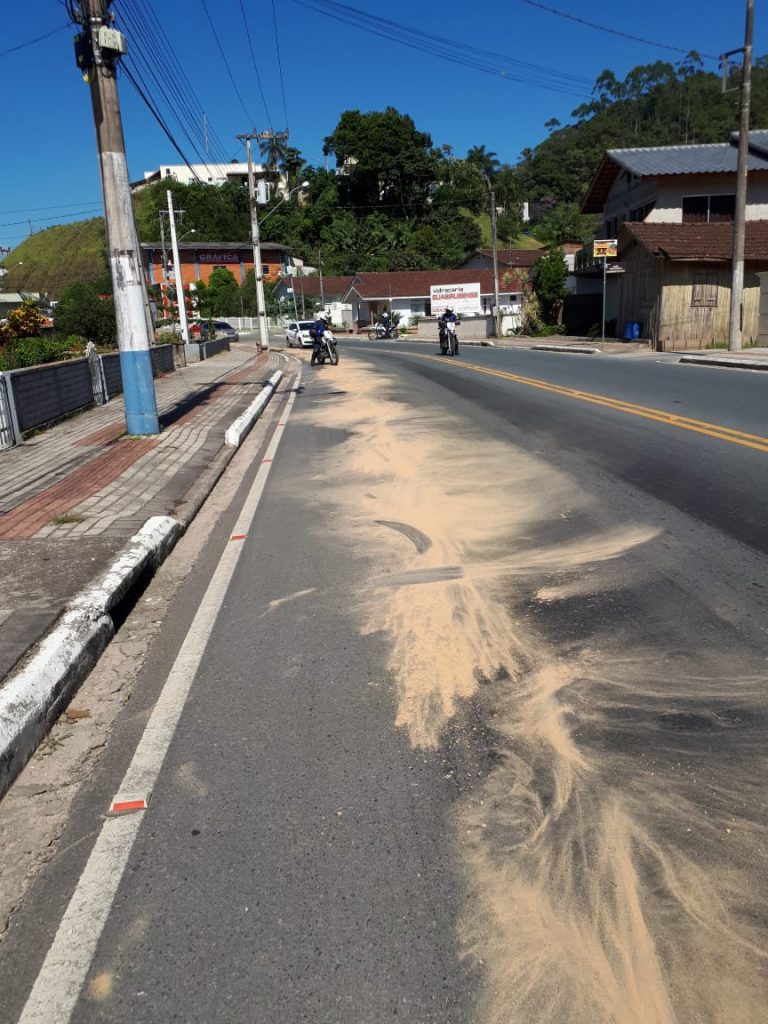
[57,257]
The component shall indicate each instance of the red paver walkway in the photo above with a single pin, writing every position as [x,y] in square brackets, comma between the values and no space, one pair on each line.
[26,519]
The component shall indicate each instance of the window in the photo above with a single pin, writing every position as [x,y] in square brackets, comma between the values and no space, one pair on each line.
[708,209]
[417,307]
[722,208]
[704,288]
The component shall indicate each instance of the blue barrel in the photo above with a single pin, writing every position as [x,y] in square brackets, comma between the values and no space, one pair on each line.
[631,330]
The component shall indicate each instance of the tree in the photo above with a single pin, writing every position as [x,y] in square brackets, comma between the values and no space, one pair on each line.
[486,162]
[87,309]
[388,163]
[274,149]
[549,276]
[220,296]
[564,223]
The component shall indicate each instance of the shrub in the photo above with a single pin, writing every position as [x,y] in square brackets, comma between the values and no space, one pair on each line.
[23,352]
[87,310]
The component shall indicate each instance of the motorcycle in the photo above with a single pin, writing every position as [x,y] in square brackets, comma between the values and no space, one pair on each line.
[324,348]
[380,332]
[449,338]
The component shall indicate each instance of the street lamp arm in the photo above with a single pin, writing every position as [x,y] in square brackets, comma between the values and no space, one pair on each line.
[303,184]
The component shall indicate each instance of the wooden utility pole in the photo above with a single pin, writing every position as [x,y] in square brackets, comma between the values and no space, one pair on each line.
[258,270]
[98,48]
[736,319]
[494,240]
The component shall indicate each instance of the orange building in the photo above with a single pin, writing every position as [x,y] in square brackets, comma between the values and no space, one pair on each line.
[200,259]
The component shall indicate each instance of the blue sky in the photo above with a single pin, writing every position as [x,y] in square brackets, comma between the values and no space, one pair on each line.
[48,168]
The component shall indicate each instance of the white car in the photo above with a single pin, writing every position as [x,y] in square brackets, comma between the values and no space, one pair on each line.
[297,333]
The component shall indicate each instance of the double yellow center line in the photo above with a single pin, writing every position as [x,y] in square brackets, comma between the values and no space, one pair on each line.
[617,405]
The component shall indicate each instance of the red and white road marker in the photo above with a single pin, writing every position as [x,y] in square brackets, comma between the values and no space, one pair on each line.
[126,803]
[238,536]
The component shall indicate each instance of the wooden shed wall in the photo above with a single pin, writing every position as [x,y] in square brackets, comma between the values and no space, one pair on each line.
[640,291]
[683,326]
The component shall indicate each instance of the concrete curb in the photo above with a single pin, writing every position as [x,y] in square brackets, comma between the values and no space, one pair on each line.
[33,697]
[734,361]
[242,425]
[583,349]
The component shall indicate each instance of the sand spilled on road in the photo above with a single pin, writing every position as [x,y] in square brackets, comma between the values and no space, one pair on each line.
[600,890]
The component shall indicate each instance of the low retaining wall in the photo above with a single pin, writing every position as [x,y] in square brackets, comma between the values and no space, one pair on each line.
[196,351]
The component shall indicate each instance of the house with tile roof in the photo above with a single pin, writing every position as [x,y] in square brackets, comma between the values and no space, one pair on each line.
[672,210]
[408,292]
[483,258]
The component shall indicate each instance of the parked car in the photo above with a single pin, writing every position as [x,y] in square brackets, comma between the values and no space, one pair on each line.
[297,333]
[221,329]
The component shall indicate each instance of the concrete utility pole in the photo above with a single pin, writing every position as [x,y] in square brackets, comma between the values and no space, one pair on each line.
[736,321]
[494,239]
[98,49]
[180,300]
[258,270]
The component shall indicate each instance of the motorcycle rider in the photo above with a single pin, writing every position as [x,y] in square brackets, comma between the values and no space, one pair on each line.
[386,322]
[447,316]
[318,330]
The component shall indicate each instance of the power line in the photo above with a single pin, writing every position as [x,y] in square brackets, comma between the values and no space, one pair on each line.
[279,64]
[35,209]
[60,216]
[453,51]
[181,85]
[146,54]
[226,62]
[31,42]
[255,66]
[157,116]
[612,31]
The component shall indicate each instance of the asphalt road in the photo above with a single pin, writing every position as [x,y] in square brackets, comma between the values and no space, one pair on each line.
[479,733]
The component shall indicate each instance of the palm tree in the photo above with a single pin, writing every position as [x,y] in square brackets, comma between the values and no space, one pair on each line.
[274,148]
[487,161]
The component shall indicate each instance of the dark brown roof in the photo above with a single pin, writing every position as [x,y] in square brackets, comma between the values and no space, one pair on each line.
[310,285]
[214,246]
[704,242]
[416,283]
[514,257]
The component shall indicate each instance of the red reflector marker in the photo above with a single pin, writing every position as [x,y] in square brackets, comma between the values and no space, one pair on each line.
[124,803]
[238,536]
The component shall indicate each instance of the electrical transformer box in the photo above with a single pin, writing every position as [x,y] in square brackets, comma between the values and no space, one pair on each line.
[111,39]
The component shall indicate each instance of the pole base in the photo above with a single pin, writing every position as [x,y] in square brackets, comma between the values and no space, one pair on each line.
[139,391]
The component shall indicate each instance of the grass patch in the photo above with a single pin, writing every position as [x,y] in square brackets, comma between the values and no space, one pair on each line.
[66,518]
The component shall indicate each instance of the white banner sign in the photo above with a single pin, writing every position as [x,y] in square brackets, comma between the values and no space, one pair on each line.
[461,298]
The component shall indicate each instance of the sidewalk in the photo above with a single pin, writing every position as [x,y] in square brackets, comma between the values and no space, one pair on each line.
[71,495]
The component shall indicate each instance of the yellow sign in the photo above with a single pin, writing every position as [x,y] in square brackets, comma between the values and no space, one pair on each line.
[605,247]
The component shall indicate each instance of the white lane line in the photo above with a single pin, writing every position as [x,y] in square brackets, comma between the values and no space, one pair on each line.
[58,985]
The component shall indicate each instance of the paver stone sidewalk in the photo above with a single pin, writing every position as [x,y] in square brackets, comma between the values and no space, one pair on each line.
[71,495]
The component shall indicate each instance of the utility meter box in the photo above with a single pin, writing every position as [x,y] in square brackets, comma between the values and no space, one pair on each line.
[112,40]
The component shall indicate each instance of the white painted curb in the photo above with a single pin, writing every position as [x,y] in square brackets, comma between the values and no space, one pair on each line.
[239,429]
[740,364]
[582,349]
[33,698]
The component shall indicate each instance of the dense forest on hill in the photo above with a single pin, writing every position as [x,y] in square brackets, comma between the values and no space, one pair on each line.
[401,202]
[657,104]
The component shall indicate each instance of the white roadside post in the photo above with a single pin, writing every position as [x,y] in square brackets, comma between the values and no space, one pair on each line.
[177,273]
